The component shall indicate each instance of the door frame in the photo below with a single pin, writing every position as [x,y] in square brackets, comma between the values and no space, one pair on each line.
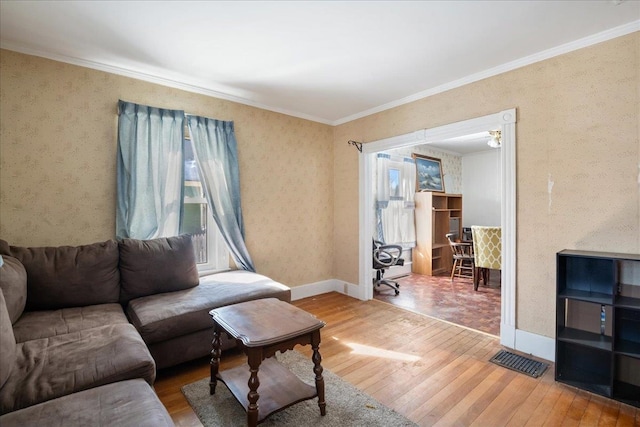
[504,120]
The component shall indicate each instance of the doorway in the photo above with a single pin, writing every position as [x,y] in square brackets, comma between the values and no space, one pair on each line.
[506,122]
[470,167]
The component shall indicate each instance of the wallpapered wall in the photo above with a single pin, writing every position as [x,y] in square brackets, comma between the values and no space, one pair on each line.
[577,154]
[577,163]
[58,162]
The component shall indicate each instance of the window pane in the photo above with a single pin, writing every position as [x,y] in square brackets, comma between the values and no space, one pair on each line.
[211,251]
[195,223]
[192,186]
[394,182]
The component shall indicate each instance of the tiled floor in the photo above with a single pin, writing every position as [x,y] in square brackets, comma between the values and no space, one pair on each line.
[456,301]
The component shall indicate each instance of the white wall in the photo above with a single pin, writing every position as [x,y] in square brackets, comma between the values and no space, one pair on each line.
[481,189]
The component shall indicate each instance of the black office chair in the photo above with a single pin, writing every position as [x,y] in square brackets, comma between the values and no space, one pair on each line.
[385,256]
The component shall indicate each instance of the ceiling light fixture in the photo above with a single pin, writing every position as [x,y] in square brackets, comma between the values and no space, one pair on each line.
[495,140]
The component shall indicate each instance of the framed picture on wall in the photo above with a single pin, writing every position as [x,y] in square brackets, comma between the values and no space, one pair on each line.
[428,173]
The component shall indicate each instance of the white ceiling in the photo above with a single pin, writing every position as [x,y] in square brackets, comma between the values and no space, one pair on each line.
[464,145]
[328,61]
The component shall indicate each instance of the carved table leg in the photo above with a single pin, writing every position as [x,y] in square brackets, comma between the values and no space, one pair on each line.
[317,369]
[255,358]
[215,359]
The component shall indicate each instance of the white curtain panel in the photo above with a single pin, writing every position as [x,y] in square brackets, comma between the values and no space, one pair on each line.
[395,206]
[216,152]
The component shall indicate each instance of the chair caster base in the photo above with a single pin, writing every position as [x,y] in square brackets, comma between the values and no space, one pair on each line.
[396,287]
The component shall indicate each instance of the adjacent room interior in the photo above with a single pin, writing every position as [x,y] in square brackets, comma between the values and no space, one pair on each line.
[470,169]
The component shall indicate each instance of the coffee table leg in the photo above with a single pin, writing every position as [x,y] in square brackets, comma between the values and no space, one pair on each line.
[215,359]
[317,369]
[254,357]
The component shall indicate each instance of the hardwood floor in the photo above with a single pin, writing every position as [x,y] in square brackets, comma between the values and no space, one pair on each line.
[454,301]
[432,372]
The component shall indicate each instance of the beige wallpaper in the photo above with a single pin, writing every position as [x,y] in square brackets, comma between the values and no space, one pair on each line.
[57,165]
[577,130]
[577,133]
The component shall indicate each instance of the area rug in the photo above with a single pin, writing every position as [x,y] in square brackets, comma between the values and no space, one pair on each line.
[346,405]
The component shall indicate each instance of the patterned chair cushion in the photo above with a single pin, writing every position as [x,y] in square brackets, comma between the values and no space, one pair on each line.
[487,247]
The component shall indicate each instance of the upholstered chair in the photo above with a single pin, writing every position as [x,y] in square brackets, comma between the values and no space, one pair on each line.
[487,251]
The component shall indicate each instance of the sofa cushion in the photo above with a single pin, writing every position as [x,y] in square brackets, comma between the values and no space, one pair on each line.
[164,316]
[49,323]
[7,343]
[69,276]
[53,367]
[13,281]
[130,403]
[150,267]
[192,346]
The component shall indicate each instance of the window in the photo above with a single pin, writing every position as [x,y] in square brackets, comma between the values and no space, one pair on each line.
[211,251]
[394,183]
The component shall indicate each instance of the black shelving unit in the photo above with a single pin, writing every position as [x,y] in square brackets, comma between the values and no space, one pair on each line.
[598,323]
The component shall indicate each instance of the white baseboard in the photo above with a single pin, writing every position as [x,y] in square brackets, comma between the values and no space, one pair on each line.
[317,288]
[507,334]
[537,345]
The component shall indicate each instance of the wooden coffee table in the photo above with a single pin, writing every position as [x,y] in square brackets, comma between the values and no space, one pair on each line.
[261,328]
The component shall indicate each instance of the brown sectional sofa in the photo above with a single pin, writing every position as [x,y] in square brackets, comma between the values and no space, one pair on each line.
[180,320]
[80,324]
[130,403]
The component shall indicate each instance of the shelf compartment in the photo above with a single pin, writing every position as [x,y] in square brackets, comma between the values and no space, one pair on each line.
[627,302]
[580,322]
[279,388]
[584,367]
[586,276]
[627,393]
[629,348]
[585,338]
[439,201]
[626,385]
[627,335]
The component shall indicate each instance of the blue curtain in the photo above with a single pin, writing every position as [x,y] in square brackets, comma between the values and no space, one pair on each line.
[150,168]
[216,152]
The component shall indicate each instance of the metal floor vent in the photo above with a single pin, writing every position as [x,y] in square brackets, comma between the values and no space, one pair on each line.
[519,363]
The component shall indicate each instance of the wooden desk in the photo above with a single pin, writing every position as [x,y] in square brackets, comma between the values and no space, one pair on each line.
[261,328]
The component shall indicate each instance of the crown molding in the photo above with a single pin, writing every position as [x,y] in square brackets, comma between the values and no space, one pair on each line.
[195,88]
[151,78]
[509,66]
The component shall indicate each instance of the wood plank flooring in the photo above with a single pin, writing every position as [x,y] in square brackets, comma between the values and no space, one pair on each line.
[432,372]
